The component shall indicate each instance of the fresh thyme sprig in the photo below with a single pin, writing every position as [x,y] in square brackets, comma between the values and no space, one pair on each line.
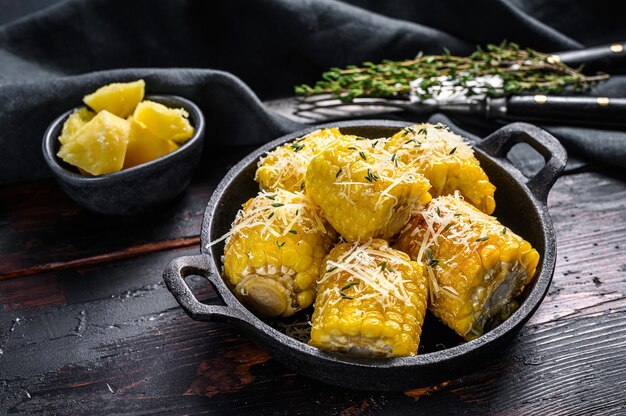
[523,70]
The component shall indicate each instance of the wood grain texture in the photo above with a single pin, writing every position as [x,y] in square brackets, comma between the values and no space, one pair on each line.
[589,215]
[42,229]
[108,338]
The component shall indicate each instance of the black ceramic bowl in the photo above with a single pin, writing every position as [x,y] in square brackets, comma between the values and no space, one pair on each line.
[130,191]
[521,205]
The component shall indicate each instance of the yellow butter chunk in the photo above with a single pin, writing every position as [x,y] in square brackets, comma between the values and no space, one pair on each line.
[99,146]
[75,121]
[120,99]
[166,123]
[143,146]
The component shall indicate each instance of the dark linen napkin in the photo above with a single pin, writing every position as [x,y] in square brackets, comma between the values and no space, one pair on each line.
[229,55]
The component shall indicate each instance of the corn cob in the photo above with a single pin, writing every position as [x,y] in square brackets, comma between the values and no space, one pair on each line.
[446,161]
[371,301]
[274,251]
[476,266]
[364,191]
[285,166]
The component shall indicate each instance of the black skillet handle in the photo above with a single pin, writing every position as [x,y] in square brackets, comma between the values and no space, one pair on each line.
[606,58]
[596,110]
[501,141]
[174,276]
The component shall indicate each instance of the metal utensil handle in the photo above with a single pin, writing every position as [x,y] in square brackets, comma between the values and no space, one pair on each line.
[575,108]
[174,276]
[607,58]
[501,141]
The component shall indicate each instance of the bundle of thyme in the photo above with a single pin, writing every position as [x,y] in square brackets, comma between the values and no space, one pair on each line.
[522,70]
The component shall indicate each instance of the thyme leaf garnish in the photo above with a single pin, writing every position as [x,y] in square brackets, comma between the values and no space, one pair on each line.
[349,285]
[522,70]
[432,261]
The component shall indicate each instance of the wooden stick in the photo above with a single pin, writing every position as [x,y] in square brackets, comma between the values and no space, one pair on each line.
[126,253]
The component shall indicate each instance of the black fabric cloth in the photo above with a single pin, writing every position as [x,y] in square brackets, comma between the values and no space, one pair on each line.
[229,55]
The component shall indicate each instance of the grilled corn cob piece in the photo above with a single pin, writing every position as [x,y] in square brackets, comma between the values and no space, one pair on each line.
[446,161]
[476,266]
[371,301]
[274,251]
[364,191]
[285,166]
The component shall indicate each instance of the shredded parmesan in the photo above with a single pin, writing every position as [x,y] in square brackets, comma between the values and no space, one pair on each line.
[374,266]
[370,163]
[287,164]
[462,225]
[277,213]
[421,144]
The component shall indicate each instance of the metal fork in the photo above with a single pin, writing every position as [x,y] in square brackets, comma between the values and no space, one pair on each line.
[327,107]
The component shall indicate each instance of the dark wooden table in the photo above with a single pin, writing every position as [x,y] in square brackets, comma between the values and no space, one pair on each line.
[88,327]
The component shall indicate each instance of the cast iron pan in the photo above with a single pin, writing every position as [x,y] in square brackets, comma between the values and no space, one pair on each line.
[521,205]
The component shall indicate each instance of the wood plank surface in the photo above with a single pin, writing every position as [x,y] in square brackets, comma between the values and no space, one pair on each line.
[108,338]
[42,229]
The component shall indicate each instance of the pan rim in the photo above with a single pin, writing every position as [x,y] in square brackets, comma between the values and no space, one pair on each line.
[493,337]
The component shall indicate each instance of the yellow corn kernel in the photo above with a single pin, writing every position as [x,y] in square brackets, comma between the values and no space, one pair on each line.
[303,263]
[394,316]
[304,280]
[352,315]
[289,257]
[305,298]
[438,175]
[391,329]
[490,254]
[362,191]
[272,257]
[372,327]
[350,324]
[472,257]
[303,248]
[238,263]
[508,251]
[446,161]
[525,248]
[263,257]
[257,257]
[285,167]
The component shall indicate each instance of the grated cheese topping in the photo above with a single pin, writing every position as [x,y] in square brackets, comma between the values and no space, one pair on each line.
[368,163]
[287,164]
[299,329]
[376,269]
[466,227]
[421,144]
[277,213]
